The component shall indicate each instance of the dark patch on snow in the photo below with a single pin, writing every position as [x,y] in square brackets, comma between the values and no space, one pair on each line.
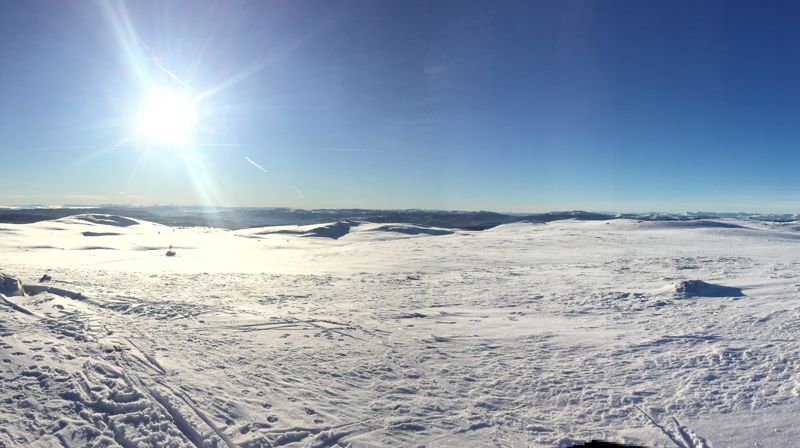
[280,232]
[10,286]
[693,224]
[699,288]
[333,231]
[602,444]
[411,316]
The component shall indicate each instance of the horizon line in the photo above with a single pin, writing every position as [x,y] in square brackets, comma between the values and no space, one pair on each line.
[607,212]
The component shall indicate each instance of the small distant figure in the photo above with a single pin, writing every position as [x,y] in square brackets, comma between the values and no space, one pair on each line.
[170,252]
[45,278]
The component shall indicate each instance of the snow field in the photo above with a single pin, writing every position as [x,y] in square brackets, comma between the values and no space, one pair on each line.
[372,335]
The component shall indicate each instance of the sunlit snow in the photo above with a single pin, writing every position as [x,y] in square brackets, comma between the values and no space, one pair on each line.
[361,334]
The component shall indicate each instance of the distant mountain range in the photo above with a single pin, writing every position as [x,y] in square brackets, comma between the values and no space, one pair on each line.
[238,218]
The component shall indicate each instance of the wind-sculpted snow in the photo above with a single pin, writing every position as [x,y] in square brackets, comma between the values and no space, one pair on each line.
[105,220]
[699,288]
[341,229]
[400,335]
[333,231]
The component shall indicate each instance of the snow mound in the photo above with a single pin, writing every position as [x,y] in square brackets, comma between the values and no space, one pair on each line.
[106,220]
[10,286]
[699,288]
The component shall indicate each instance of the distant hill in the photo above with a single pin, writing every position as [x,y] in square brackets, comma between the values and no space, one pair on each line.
[239,218]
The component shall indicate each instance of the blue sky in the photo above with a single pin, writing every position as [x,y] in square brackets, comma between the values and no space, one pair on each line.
[508,106]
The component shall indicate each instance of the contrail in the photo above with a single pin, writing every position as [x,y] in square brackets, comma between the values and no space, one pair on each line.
[348,150]
[221,145]
[277,55]
[255,164]
[133,47]
[158,64]
[299,192]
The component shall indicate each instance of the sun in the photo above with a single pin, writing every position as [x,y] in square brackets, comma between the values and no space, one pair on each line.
[167,117]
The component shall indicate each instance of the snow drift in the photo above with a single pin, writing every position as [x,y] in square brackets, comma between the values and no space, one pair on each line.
[699,288]
[10,286]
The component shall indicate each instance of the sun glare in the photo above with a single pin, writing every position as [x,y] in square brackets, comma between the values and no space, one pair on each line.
[167,117]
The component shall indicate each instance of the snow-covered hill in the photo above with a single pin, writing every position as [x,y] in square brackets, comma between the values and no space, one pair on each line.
[242,217]
[384,334]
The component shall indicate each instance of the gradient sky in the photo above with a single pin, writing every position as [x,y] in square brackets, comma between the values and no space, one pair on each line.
[507,106]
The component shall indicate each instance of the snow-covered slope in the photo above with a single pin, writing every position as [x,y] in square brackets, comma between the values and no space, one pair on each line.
[398,335]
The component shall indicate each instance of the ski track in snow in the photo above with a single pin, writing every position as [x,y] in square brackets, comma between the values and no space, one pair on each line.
[525,334]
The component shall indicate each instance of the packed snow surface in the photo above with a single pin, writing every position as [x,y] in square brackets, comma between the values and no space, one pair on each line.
[361,334]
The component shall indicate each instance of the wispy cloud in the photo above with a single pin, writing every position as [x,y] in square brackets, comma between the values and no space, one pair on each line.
[300,193]
[54,197]
[134,197]
[432,70]
[260,168]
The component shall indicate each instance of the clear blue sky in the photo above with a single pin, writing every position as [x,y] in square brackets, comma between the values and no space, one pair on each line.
[508,106]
